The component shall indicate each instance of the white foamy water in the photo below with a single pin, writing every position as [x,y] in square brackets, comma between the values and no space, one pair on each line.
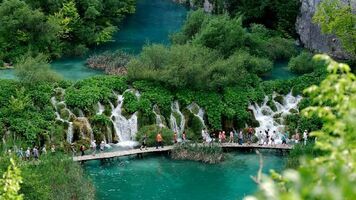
[274,120]
[125,129]
[178,128]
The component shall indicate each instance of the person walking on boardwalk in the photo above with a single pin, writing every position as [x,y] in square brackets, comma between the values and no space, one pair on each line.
[223,136]
[82,149]
[20,153]
[240,136]
[44,150]
[93,147]
[35,153]
[184,137]
[159,140]
[102,146]
[220,136]
[175,138]
[53,149]
[267,137]
[231,138]
[144,142]
[284,138]
[250,134]
[28,153]
[305,137]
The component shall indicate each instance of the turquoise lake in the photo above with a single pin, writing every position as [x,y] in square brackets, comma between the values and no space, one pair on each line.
[159,177]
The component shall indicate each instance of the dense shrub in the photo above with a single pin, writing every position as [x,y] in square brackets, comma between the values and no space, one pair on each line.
[152,131]
[303,63]
[59,27]
[54,177]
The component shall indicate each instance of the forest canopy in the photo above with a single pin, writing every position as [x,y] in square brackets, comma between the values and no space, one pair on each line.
[59,27]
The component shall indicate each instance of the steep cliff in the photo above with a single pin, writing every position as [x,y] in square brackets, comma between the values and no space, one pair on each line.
[310,33]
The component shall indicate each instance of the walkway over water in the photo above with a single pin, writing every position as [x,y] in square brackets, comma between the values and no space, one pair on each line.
[115,154]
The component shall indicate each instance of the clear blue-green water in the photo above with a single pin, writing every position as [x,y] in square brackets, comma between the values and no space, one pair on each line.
[153,22]
[158,178]
[280,71]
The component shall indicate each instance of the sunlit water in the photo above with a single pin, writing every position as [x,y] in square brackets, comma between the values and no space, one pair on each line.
[153,22]
[158,178]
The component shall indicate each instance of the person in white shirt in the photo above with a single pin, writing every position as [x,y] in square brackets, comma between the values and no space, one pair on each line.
[305,137]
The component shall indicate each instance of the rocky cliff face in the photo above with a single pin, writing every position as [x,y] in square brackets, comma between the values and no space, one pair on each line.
[310,33]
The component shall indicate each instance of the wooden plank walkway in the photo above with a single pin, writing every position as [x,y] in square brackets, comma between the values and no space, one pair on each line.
[114,154]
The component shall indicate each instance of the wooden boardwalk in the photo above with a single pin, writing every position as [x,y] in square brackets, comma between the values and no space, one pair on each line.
[114,154]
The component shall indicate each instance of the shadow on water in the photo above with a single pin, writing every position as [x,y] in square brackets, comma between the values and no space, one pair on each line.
[153,21]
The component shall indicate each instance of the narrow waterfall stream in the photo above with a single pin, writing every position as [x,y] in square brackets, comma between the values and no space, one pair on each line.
[159,117]
[56,104]
[198,112]
[177,120]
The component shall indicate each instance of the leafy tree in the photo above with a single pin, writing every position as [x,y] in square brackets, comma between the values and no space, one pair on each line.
[336,17]
[34,70]
[24,30]
[330,175]
[10,183]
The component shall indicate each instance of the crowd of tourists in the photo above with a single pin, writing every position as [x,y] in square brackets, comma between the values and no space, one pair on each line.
[31,153]
[247,136]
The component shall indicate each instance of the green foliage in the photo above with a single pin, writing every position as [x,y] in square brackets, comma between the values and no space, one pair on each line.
[301,151]
[24,29]
[191,27]
[280,15]
[10,183]
[57,27]
[329,175]
[337,17]
[55,176]
[88,92]
[34,70]
[152,131]
[303,63]
[131,102]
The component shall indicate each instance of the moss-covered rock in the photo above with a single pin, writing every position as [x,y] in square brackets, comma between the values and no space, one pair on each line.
[279,99]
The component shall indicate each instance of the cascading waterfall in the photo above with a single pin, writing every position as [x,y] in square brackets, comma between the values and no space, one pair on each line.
[198,112]
[159,120]
[59,118]
[178,128]
[274,120]
[125,129]
[101,109]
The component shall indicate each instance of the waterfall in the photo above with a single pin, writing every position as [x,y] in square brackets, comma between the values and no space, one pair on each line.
[101,109]
[125,129]
[159,121]
[199,112]
[70,132]
[59,118]
[178,128]
[274,120]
